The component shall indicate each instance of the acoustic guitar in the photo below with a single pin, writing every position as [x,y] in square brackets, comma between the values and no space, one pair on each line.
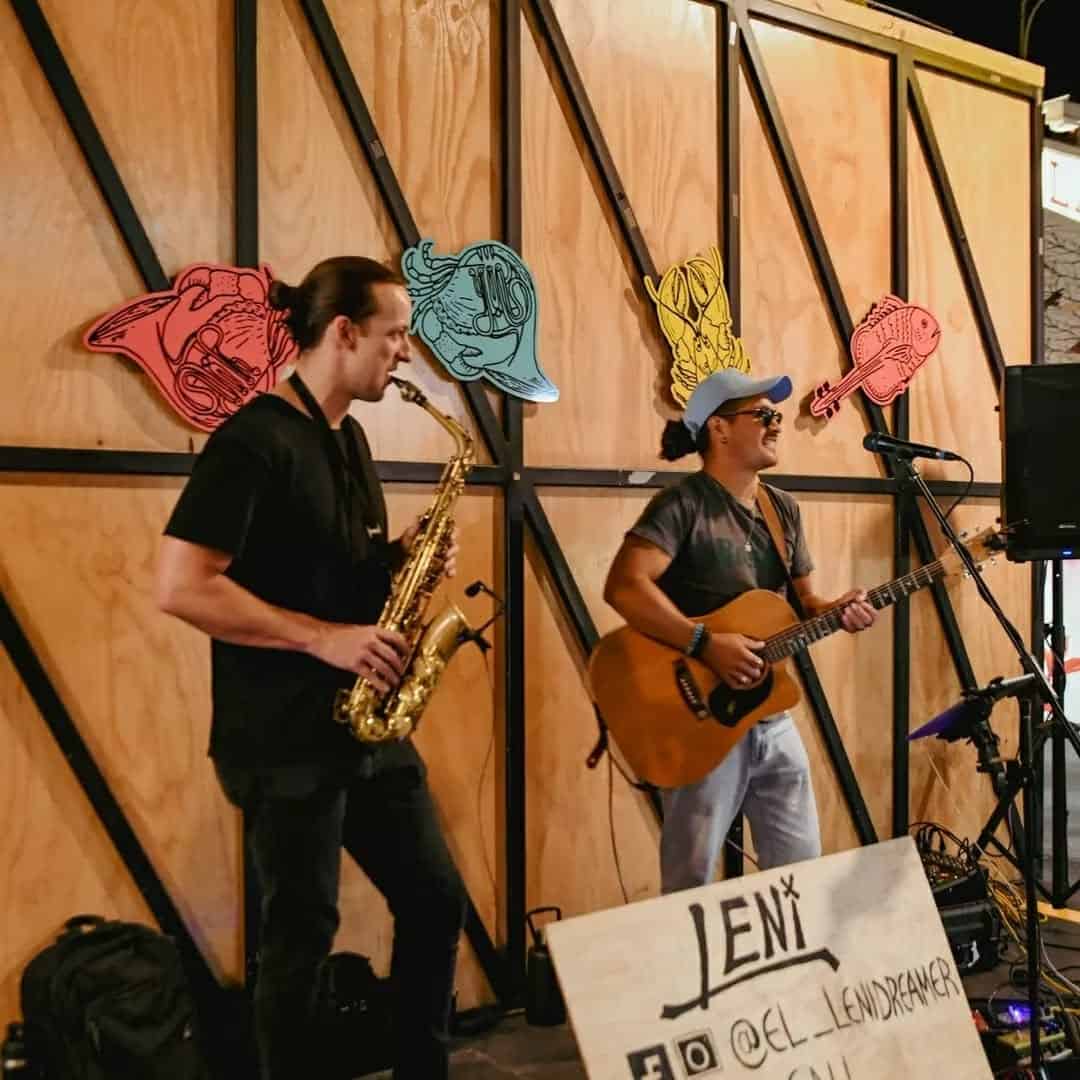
[674,720]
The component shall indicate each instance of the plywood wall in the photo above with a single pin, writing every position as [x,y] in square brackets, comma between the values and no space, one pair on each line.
[76,555]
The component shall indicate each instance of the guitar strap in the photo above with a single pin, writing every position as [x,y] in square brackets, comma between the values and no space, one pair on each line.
[767,505]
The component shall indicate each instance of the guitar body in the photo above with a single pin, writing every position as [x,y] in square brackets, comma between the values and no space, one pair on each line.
[673,720]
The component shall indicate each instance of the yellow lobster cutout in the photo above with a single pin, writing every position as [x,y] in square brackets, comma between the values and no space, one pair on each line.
[692,306]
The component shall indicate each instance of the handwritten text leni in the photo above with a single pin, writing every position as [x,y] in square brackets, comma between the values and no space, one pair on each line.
[762,933]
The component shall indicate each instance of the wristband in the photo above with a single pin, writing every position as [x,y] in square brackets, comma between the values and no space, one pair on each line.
[697,640]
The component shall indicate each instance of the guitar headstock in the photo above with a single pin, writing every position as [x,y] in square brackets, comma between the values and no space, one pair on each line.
[982,546]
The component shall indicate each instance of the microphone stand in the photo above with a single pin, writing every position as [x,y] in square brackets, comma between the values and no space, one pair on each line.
[1023,776]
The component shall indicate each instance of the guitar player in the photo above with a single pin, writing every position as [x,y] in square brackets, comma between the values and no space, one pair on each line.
[698,544]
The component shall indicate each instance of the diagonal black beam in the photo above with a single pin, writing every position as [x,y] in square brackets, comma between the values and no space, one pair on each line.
[819,254]
[548,25]
[73,106]
[834,744]
[55,68]
[566,588]
[581,621]
[954,224]
[799,193]
[363,125]
[739,19]
[96,788]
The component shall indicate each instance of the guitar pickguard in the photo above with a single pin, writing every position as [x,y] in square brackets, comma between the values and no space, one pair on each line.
[730,706]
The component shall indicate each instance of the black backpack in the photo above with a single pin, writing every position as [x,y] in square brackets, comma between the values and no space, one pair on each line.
[354,1021]
[108,1000]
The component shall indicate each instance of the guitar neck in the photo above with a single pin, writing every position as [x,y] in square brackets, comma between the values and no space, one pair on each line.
[804,634]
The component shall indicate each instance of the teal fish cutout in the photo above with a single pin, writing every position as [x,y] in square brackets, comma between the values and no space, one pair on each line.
[476,311]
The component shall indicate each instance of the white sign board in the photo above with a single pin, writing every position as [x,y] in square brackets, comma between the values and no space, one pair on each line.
[1061,182]
[835,969]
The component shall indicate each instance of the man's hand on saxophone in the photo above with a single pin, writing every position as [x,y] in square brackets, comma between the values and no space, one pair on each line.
[408,537]
[371,651]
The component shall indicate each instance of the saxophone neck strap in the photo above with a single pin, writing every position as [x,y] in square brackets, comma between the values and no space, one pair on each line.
[345,463]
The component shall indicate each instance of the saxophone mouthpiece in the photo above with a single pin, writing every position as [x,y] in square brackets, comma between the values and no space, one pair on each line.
[408,391]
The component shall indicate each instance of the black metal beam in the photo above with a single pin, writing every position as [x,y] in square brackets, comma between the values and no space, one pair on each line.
[60,461]
[955,226]
[834,744]
[96,788]
[581,622]
[56,70]
[950,628]
[68,96]
[901,638]
[799,193]
[812,233]
[423,472]
[246,169]
[246,134]
[728,83]
[363,126]
[515,787]
[822,262]
[547,24]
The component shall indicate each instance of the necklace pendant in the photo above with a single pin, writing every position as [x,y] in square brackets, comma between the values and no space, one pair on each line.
[747,547]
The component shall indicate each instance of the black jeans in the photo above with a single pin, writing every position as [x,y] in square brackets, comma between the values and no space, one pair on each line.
[299,819]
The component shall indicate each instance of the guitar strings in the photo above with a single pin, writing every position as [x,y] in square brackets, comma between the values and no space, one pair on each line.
[802,630]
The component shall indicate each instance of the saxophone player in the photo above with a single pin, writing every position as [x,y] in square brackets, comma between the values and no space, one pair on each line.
[278,550]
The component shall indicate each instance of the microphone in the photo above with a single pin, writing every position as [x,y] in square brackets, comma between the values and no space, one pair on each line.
[477,636]
[879,443]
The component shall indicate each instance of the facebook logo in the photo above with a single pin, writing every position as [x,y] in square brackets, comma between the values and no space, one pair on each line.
[698,1053]
[650,1064]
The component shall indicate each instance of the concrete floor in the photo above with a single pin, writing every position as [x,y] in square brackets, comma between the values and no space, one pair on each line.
[514,1048]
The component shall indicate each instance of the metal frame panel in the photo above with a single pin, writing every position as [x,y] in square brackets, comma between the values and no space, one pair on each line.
[737,51]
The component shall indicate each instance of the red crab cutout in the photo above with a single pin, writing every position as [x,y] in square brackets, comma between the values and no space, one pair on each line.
[210,343]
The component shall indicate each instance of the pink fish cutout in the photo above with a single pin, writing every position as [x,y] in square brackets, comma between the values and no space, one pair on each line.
[887,348]
[210,343]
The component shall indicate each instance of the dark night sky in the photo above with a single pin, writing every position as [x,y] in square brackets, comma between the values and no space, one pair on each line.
[1055,39]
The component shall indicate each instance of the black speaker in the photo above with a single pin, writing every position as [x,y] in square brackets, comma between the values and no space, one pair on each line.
[1040,498]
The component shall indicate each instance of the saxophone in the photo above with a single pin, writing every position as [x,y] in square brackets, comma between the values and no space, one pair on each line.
[372,717]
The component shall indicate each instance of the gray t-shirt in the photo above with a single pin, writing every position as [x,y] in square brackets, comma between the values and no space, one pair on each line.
[705,530]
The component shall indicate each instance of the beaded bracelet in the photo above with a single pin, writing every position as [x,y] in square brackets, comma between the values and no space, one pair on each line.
[697,640]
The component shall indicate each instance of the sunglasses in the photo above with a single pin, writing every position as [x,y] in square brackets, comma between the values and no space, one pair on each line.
[765,415]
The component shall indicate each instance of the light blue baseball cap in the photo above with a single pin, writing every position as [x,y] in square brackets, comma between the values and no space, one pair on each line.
[721,386]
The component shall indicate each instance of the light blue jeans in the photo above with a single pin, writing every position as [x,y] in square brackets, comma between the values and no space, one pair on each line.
[767,776]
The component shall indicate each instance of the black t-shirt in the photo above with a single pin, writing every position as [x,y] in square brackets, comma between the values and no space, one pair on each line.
[266,491]
[706,530]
